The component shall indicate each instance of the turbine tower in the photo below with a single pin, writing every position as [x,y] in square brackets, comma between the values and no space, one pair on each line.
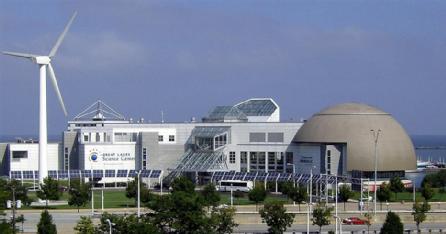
[44,63]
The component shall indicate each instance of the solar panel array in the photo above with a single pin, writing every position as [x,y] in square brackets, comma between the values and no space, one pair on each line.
[61,174]
[277,176]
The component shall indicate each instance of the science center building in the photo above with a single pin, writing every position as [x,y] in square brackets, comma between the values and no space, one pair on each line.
[246,137]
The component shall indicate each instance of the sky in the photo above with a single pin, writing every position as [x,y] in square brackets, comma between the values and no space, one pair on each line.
[185,57]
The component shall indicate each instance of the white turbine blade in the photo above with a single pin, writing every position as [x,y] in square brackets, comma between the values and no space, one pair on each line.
[22,55]
[56,88]
[62,36]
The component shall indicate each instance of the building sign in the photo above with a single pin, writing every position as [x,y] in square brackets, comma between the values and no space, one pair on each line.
[96,155]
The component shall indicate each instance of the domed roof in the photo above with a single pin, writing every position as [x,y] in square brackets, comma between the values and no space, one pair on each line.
[351,124]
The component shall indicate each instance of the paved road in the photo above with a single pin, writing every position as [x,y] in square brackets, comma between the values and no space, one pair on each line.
[66,219]
[345,228]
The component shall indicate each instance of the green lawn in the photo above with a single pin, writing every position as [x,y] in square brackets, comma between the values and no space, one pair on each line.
[408,196]
[226,199]
[112,199]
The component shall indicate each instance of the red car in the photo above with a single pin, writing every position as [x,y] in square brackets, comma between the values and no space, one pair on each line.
[353,221]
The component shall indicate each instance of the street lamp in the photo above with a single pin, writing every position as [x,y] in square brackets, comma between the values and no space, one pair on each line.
[139,194]
[110,224]
[311,199]
[375,139]
[338,220]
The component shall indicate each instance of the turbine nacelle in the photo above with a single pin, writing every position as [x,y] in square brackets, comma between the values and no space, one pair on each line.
[41,60]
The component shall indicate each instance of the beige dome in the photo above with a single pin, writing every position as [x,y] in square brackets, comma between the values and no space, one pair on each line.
[351,123]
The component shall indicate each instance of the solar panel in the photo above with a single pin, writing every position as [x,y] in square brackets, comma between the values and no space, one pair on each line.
[16,174]
[272,176]
[284,177]
[63,174]
[74,174]
[261,176]
[229,175]
[155,174]
[121,173]
[145,173]
[28,175]
[239,175]
[52,174]
[109,173]
[86,173]
[218,175]
[98,173]
[133,173]
[250,176]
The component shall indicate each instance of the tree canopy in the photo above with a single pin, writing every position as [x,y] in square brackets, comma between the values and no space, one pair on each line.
[210,195]
[257,194]
[49,190]
[79,194]
[321,216]
[345,193]
[427,191]
[419,212]
[396,185]
[392,225]
[275,216]
[46,225]
[298,194]
[383,193]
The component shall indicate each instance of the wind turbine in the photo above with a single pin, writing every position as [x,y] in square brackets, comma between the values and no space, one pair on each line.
[44,63]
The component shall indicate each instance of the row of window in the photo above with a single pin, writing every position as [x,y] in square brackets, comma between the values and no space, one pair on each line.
[119,137]
[171,138]
[144,158]
[275,137]
[257,160]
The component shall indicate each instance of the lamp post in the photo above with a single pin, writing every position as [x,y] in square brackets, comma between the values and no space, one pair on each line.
[338,220]
[232,198]
[375,139]
[139,194]
[110,224]
[311,199]
[336,202]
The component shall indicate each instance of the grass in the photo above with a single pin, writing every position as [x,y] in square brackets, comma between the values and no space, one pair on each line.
[408,196]
[226,199]
[112,199]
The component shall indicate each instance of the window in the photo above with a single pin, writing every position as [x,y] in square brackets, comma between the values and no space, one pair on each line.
[171,138]
[289,157]
[243,157]
[98,137]
[253,157]
[160,138]
[19,154]
[257,137]
[232,157]
[86,138]
[261,157]
[220,141]
[271,158]
[144,158]
[275,137]
[66,159]
[328,152]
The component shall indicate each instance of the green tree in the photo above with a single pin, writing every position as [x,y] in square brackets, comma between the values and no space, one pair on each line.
[419,212]
[79,194]
[275,216]
[223,220]
[298,194]
[183,184]
[321,216]
[383,194]
[368,220]
[128,224]
[286,187]
[396,186]
[49,190]
[257,194]
[5,227]
[392,225]
[345,193]
[84,226]
[427,191]
[210,195]
[131,191]
[45,225]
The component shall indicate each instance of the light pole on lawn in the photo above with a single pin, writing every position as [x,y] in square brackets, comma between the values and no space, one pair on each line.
[375,139]
[139,194]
